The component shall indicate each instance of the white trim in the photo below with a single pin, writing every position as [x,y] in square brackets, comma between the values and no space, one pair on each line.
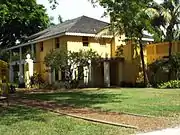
[145,39]
[148,39]
[68,34]
[50,37]
[55,36]
[35,41]
[87,35]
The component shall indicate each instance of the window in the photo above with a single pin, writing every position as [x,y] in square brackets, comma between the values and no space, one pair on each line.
[56,75]
[85,41]
[41,47]
[57,42]
[102,41]
[63,75]
[80,73]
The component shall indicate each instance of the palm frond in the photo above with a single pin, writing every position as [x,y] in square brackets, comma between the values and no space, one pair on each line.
[177,10]
[151,12]
[167,16]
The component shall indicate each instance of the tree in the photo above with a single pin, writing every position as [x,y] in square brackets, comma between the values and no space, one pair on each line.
[175,64]
[51,18]
[60,19]
[53,3]
[69,62]
[19,19]
[161,66]
[129,18]
[166,19]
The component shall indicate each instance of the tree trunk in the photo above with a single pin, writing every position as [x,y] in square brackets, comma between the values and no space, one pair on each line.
[146,81]
[170,55]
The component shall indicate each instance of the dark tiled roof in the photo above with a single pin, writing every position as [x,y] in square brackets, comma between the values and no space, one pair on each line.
[81,24]
[87,25]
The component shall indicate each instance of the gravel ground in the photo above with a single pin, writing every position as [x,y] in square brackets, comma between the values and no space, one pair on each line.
[144,124]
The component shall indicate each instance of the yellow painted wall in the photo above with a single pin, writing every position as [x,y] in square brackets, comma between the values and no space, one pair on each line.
[116,42]
[159,50]
[3,71]
[71,43]
[75,44]
[48,45]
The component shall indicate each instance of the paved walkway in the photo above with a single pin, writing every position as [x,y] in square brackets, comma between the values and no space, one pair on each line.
[169,131]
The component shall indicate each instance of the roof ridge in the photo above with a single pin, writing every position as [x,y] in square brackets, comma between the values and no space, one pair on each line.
[94,19]
[77,19]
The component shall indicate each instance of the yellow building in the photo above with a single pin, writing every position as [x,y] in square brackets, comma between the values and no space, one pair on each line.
[73,35]
[160,50]
[3,72]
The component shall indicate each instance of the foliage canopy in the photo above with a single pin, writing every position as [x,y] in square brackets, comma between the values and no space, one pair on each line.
[19,19]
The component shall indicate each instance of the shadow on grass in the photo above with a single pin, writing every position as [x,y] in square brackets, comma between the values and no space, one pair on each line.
[79,99]
[14,114]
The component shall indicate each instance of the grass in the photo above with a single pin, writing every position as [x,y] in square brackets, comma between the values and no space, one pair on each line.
[141,101]
[19,120]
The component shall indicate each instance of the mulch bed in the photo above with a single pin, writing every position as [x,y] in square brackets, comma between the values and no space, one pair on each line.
[143,123]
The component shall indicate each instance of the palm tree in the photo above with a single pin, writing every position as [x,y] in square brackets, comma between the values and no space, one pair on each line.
[166,20]
[60,19]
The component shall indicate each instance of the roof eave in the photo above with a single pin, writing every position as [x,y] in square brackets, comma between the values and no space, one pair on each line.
[35,41]
[86,35]
[55,36]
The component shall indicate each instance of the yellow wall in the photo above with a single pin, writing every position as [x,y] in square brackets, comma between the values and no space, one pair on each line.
[48,45]
[159,50]
[130,67]
[75,44]
[3,71]
[116,42]
[71,43]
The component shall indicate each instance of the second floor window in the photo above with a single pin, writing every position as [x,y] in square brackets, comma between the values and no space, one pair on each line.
[85,41]
[57,43]
[41,47]
[102,41]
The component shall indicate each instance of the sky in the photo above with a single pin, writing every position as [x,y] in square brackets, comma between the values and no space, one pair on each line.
[69,9]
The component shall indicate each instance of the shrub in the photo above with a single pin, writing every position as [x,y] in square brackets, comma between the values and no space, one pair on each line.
[58,85]
[171,84]
[37,80]
[127,84]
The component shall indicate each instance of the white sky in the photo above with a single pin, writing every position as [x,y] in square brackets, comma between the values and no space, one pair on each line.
[70,9]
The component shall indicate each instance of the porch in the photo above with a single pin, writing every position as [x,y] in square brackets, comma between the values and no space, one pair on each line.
[108,72]
[17,56]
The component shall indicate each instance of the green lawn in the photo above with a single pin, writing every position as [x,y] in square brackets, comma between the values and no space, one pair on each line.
[18,120]
[142,101]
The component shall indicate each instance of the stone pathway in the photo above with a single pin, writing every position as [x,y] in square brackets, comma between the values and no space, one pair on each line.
[169,131]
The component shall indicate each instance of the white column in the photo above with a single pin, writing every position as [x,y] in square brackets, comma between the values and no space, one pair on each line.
[11,76]
[59,75]
[120,72]
[21,78]
[11,73]
[90,79]
[50,76]
[53,76]
[86,75]
[106,74]
[32,51]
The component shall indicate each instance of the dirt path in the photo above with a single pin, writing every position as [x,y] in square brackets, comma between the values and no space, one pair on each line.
[144,124]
